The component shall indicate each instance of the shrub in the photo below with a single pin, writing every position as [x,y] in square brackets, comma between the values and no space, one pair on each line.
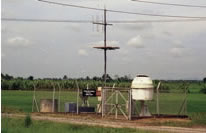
[27,121]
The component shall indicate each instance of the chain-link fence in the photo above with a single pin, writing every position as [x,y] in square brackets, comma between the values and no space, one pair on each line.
[63,100]
[111,101]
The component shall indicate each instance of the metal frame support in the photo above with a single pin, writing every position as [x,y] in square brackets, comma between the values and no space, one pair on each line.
[53,98]
[34,100]
[59,108]
[77,97]
[157,96]
[103,99]
[116,93]
[130,104]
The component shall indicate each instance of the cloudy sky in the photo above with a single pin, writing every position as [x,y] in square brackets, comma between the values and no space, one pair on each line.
[161,50]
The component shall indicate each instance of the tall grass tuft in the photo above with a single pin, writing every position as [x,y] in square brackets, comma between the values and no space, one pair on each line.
[27,121]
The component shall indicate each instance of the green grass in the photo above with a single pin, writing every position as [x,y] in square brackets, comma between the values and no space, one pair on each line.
[196,103]
[16,125]
[21,101]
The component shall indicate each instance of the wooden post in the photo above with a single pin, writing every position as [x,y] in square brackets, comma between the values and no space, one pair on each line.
[157,95]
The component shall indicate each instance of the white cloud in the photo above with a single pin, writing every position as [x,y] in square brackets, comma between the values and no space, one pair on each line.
[176,52]
[136,42]
[101,43]
[2,55]
[123,51]
[18,42]
[178,44]
[82,52]
[140,26]
[73,26]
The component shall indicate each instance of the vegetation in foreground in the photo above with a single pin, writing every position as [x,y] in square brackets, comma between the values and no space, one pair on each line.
[17,125]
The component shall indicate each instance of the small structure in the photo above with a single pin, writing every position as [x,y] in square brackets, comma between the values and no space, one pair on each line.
[48,105]
[70,107]
[142,90]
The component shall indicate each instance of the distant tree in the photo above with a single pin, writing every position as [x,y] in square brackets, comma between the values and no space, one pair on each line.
[204,79]
[203,90]
[65,77]
[2,76]
[124,78]
[108,78]
[7,77]
[20,78]
[87,78]
[95,78]
[30,78]
[116,77]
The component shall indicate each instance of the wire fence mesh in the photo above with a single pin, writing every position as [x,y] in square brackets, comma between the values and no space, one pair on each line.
[165,102]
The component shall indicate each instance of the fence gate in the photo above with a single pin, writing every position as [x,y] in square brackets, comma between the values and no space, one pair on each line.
[116,101]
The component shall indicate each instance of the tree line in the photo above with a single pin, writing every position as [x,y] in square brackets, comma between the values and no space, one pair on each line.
[9,82]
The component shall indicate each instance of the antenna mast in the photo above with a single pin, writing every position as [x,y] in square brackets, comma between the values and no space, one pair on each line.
[105,47]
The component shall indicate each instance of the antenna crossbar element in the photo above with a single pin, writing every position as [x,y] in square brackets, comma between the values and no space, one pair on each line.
[107,47]
[102,23]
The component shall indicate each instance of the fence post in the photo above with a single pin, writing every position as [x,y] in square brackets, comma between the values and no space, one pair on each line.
[59,97]
[77,97]
[185,108]
[157,95]
[33,99]
[117,100]
[53,98]
[130,104]
[103,102]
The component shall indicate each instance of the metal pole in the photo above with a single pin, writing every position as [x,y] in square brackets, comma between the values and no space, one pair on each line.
[130,104]
[105,63]
[103,102]
[59,97]
[116,112]
[105,50]
[185,108]
[77,97]
[33,99]
[53,98]
[157,104]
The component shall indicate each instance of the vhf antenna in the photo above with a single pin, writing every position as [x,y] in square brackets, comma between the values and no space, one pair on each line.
[105,47]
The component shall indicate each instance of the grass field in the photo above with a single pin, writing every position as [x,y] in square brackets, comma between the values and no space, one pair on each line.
[21,101]
[16,125]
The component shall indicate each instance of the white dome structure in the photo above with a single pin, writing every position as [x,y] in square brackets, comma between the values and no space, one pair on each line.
[142,88]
